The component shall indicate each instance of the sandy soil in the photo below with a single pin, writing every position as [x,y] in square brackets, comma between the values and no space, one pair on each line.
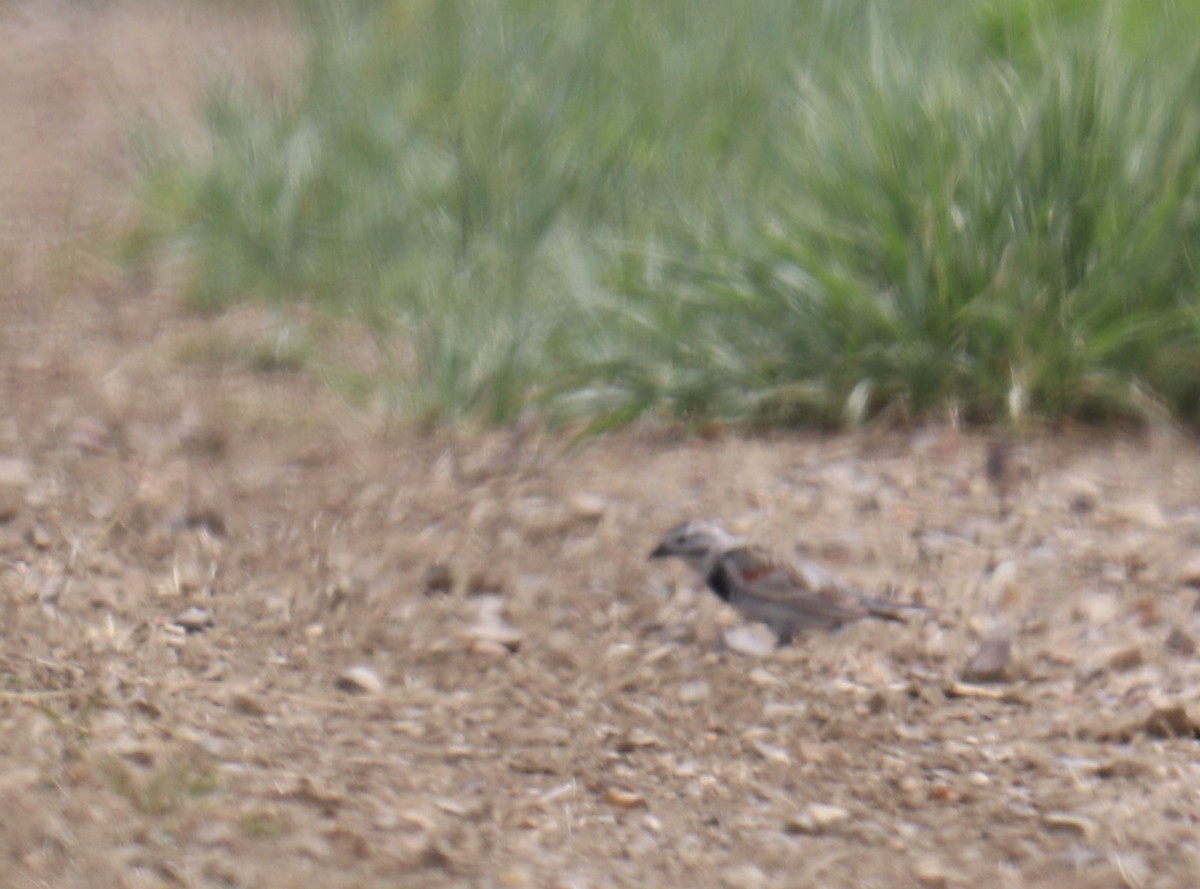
[255,639]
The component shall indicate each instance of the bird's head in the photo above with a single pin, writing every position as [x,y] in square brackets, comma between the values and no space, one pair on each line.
[698,542]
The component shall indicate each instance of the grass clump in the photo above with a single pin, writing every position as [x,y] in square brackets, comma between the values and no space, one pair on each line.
[942,235]
[808,212]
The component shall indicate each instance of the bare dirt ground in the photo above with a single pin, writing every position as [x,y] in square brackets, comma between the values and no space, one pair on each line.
[253,639]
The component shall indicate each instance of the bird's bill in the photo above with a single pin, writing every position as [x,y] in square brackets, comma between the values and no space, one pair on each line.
[661,552]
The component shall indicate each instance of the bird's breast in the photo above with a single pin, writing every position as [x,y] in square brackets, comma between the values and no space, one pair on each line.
[720,582]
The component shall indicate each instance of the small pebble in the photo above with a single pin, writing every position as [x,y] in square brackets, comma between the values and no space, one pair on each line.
[762,678]
[623,799]
[1001,586]
[587,506]
[1145,513]
[1189,574]
[1086,828]
[194,619]
[817,818]
[991,661]
[769,752]
[495,636]
[1126,659]
[932,874]
[1181,643]
[40,537]
[246,703]
[438,580]
[360,679]
[693,692]
[754,640]
[1172,722]
[979,779]
[515,877]
[743,876]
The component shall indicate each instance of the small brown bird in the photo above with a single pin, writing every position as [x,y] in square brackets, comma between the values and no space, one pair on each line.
[785,596]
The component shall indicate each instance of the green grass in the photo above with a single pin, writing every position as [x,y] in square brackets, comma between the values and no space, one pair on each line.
[810,212]
[161,790]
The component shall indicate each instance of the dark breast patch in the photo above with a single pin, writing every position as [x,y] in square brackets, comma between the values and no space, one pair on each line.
[719,582]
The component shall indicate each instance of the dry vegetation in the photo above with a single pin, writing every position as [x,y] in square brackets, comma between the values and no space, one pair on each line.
[251,639]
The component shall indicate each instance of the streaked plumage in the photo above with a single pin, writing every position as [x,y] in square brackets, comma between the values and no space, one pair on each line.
[786,596]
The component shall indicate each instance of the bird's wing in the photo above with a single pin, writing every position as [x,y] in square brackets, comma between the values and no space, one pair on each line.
[836,589]
[807,588]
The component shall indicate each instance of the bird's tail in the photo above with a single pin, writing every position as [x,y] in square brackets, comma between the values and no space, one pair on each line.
[894,610]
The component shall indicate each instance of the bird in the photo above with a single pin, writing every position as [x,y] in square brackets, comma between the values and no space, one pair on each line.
[786,596]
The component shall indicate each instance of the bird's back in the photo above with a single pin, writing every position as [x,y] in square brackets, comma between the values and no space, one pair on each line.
[801,595]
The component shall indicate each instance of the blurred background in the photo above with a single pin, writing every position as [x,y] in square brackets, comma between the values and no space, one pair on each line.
[804,213]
